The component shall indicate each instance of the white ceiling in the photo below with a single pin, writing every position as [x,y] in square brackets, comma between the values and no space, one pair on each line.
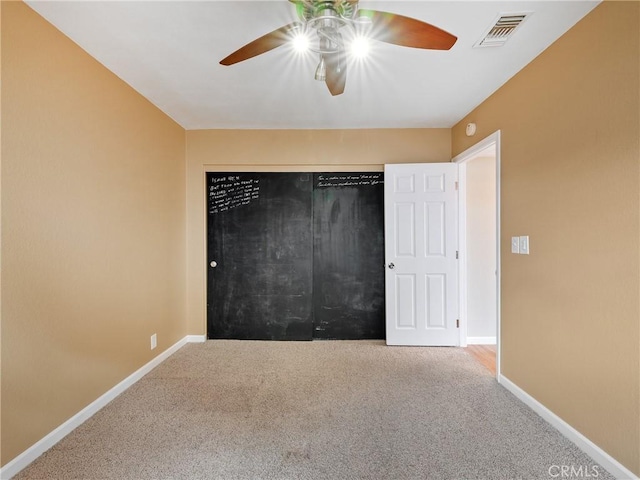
[169,52]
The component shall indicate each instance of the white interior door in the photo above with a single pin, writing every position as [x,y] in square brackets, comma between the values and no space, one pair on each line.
[421,209]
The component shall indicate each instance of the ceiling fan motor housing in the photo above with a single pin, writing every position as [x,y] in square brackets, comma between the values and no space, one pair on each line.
[323,9]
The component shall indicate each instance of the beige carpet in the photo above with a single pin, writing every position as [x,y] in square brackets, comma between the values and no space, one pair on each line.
[313,410]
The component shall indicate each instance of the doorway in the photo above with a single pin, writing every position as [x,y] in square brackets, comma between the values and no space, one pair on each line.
[479,221]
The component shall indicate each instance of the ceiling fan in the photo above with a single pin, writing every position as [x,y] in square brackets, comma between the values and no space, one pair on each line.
[339,24]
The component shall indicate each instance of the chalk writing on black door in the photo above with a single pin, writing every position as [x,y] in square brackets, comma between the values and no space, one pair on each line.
[232,191]
[349,179]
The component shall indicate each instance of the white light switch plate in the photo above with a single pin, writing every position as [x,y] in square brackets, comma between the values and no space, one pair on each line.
[515,244]
[524,245]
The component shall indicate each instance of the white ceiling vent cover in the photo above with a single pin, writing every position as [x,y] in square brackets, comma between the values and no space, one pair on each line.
[502,29]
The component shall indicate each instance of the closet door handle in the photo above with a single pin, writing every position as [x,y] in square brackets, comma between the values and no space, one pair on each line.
[392,266]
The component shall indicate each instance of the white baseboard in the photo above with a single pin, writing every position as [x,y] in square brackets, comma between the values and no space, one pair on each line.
[44,444]
[587,446]
[196,338]
[481,340]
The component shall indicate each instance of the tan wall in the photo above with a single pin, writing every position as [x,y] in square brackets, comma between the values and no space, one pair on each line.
[293,150]
[570,180]
[93,239]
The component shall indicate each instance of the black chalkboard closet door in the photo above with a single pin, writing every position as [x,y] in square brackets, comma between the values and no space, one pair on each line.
[260,253]
[295,256]
[348,256]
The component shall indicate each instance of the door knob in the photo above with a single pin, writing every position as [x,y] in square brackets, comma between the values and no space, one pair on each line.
[391,266]
[213,264]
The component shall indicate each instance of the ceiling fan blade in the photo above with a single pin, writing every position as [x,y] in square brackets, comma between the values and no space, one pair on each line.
[407,32]
[261,45]
[336,68]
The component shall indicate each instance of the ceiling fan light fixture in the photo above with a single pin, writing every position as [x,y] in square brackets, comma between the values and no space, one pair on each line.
[360,47]
[301,42]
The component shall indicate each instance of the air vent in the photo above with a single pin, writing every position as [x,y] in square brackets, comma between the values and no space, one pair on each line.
[502,29]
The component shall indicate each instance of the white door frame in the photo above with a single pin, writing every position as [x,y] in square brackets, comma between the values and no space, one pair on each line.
[461,159]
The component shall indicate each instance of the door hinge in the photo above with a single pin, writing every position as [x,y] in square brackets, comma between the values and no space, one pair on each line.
[457,323]
[456,254]
[456,185]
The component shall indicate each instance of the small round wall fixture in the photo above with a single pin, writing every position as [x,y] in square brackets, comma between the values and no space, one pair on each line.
[471,129]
